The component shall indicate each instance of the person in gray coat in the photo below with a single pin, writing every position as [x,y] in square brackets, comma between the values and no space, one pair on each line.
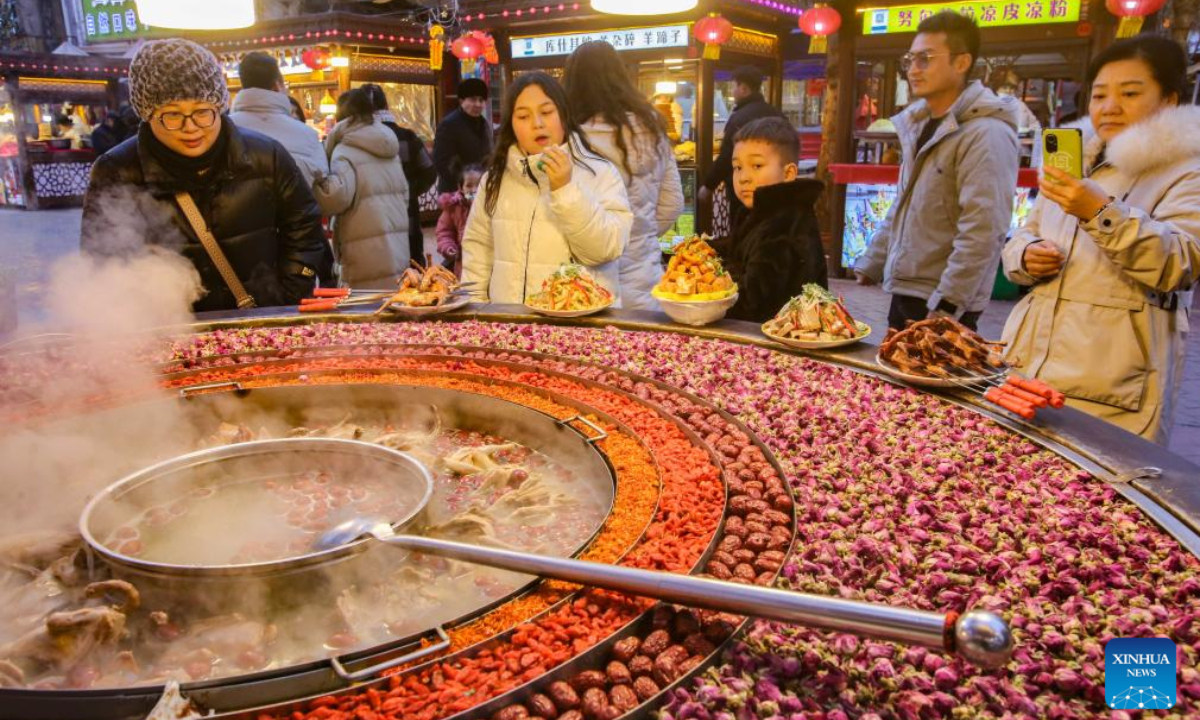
[263,106]
[938,250]
[367,192]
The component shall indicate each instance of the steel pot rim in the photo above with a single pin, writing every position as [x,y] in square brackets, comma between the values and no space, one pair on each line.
[166,468]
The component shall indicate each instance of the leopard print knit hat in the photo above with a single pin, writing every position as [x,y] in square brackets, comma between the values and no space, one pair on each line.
[171,70]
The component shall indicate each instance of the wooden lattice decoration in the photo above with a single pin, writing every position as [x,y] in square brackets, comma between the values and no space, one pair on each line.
[752,43]
[392,65]
[78,91]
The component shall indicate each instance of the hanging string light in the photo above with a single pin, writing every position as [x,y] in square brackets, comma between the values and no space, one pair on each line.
[642,7]
[21,65]
[321,36]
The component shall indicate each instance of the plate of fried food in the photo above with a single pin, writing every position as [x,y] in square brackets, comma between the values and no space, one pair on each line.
[940,352]
[570,291]
[813,320]
[428,289]
[696,289]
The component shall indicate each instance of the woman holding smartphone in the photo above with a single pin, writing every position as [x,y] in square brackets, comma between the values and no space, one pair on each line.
[1112,257]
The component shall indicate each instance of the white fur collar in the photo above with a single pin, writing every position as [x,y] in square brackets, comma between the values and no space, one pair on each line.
[1168,136]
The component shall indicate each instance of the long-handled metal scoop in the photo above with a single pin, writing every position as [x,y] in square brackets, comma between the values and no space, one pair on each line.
[978,636]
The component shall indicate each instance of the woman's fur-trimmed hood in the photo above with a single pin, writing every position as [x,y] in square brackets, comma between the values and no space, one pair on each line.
[1167,137]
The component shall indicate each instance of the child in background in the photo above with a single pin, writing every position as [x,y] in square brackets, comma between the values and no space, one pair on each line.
[456,206]
[777,249]
[547,198]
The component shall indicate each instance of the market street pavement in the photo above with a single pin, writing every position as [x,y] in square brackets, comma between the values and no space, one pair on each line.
[33,241]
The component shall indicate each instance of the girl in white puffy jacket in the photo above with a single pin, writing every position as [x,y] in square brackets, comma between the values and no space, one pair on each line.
[548,198]
[626,129]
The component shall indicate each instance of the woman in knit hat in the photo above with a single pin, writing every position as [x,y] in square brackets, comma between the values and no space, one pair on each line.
[247,189]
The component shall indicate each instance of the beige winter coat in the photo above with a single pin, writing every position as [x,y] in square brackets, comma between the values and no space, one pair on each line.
[1099,331]
[367,192]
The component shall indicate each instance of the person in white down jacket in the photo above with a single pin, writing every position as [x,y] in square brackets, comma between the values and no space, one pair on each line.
[547,199]
[1112,258]
[626,129]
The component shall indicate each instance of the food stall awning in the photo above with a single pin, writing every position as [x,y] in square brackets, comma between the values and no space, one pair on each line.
[516,15]
[341,27]
[62,66]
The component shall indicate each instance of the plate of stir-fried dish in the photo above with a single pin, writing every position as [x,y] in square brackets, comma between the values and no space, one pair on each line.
[570,291]
[815,319]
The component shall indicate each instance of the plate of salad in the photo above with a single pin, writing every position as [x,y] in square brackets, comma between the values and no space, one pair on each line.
[813,320]
[570,291]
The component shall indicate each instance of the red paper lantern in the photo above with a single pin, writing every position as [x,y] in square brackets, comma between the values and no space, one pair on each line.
[714,31]
[1132,13]
[316,58]
[490,54]
[467,47]
[820,21]
[1134,8]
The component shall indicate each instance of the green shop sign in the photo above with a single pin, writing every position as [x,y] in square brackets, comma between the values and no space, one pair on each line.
[105,20]
[987,13]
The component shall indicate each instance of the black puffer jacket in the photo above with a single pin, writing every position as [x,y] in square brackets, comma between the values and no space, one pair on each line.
[421,175]
[460,140]
[259,209]
[776,249]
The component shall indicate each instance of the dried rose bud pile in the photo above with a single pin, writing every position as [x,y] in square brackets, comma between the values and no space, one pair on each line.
[901,498]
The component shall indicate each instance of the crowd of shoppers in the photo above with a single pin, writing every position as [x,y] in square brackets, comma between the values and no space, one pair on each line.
[584,172]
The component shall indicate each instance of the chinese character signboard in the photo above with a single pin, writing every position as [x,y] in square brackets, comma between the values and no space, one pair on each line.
[987,13]
[647,38]
[105,20]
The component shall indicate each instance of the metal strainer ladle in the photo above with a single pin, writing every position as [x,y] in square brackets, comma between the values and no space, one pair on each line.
[978,636]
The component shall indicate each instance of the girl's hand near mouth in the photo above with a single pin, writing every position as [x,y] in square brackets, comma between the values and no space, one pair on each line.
[557,163]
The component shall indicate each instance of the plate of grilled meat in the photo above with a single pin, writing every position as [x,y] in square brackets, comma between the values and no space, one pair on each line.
[940,352]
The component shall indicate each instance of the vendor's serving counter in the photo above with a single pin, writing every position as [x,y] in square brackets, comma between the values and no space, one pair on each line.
[732,457]
[1163,483]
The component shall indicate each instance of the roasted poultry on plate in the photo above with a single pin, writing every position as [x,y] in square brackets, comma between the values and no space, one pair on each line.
[426,285]
[941,348]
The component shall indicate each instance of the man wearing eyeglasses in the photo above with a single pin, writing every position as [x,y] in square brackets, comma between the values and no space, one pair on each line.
[251,199]
[939,247]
